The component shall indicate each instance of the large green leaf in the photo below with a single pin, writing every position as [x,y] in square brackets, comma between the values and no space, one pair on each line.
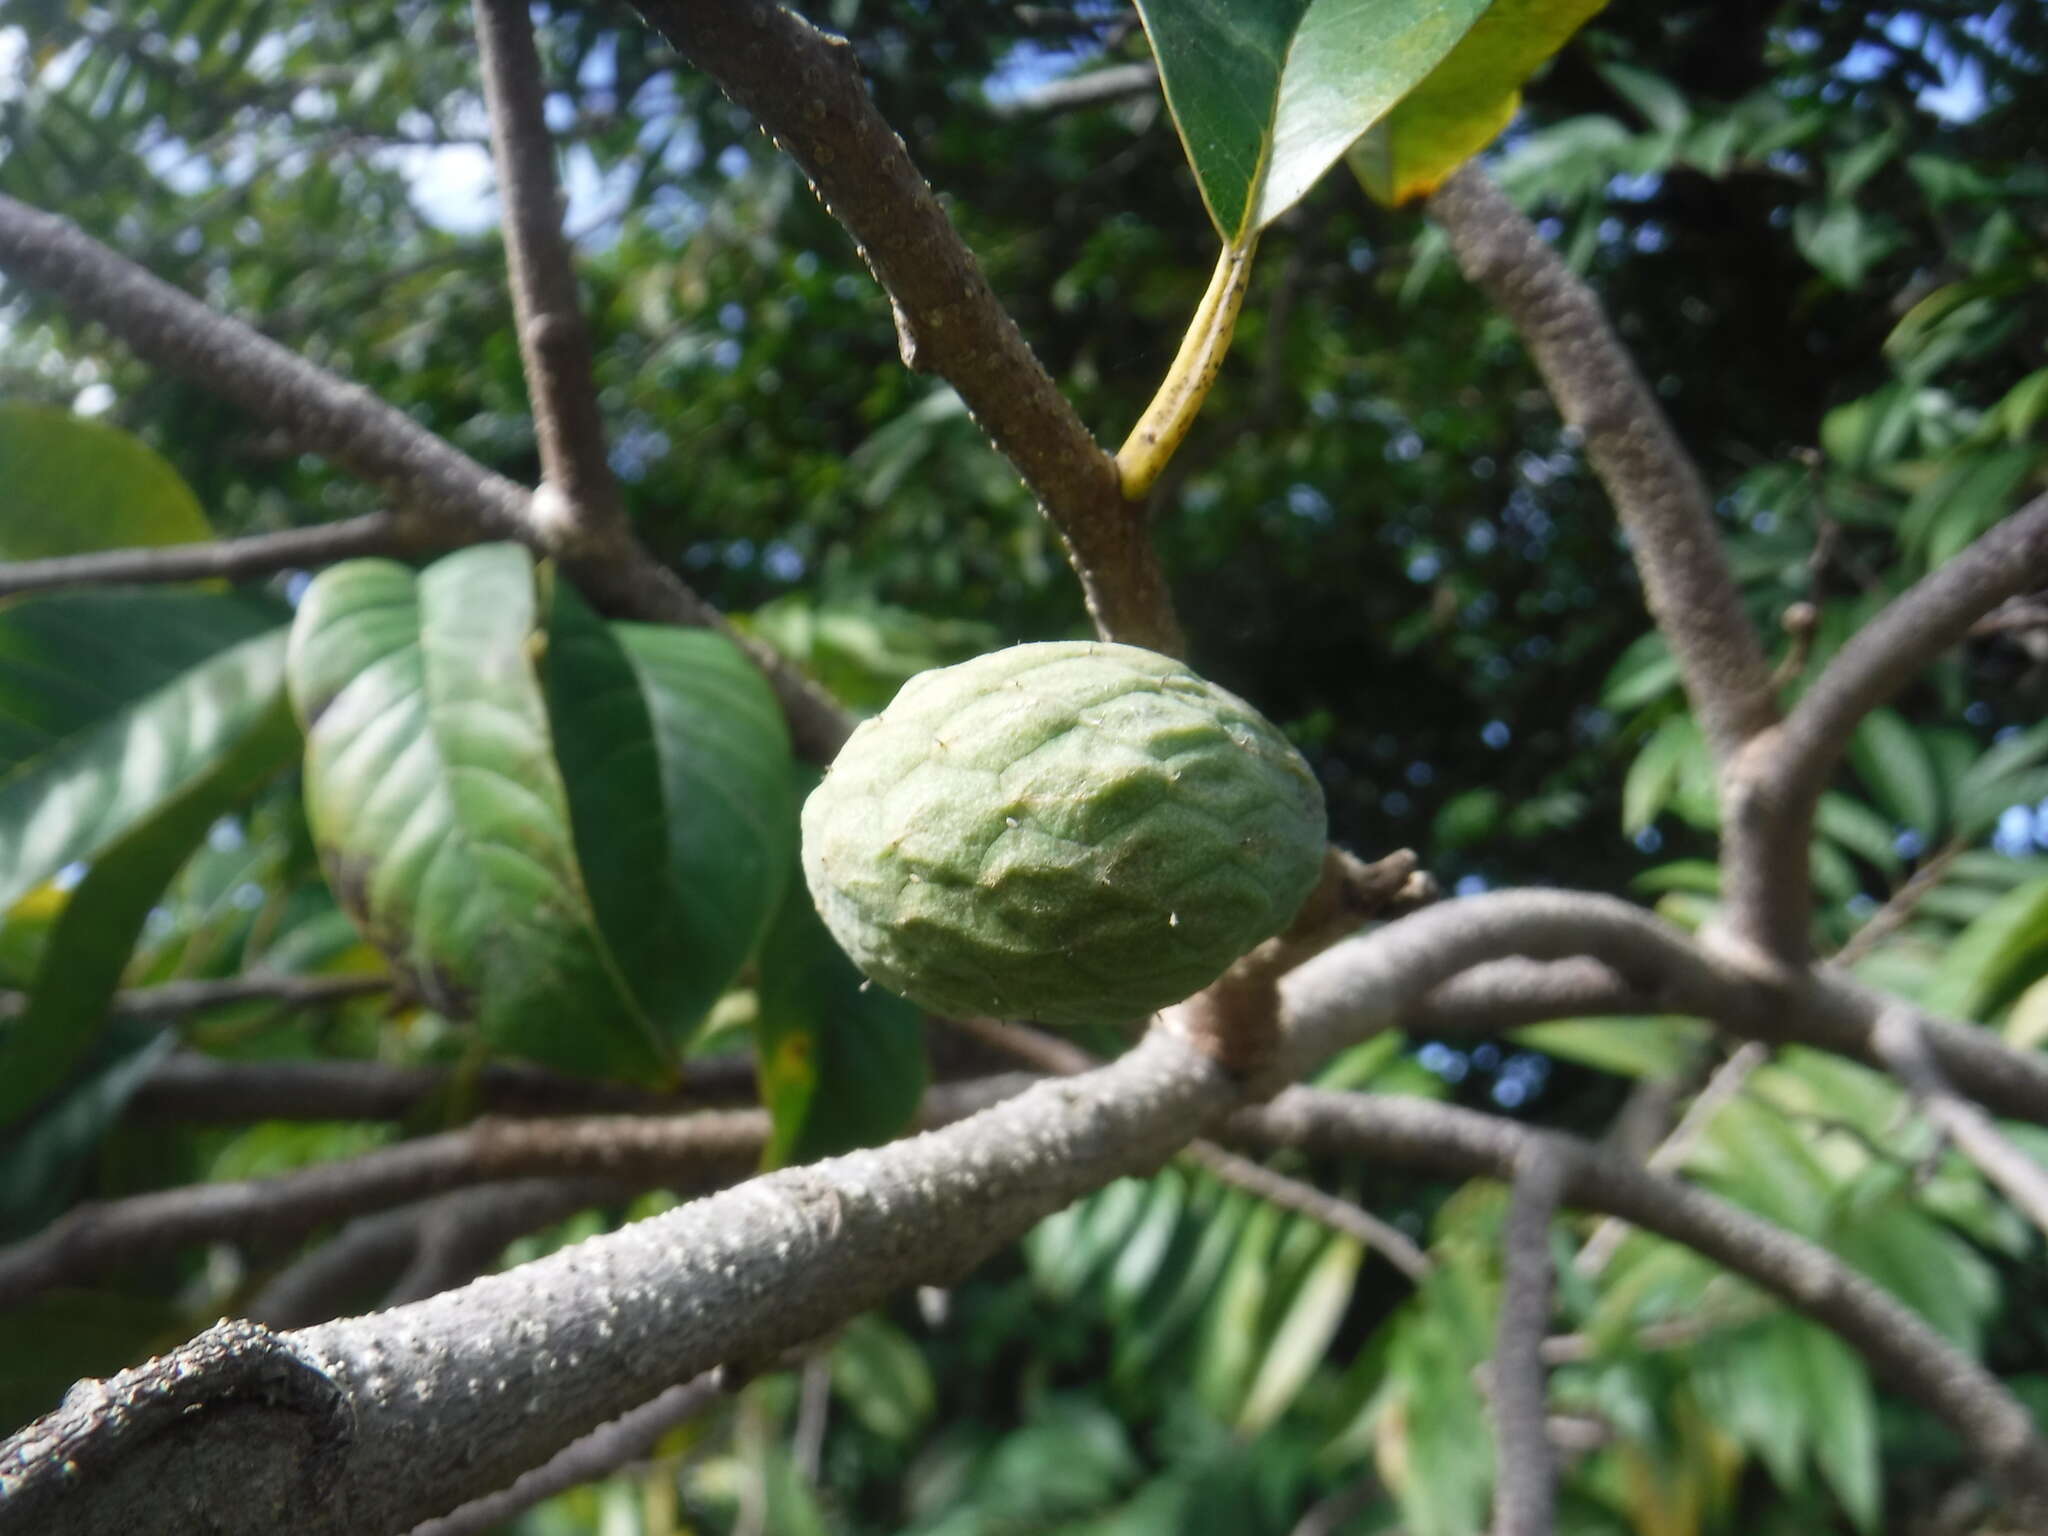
[441,817]
[105,708]
[841,1062]
[239,733]
[1268,93]
[75,485]
[1467,99]
[681,791]
[1891,759]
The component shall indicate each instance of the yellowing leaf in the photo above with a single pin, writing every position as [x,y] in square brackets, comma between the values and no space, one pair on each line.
[1466,100]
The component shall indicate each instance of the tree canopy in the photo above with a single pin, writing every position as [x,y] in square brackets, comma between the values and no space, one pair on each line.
[284,923]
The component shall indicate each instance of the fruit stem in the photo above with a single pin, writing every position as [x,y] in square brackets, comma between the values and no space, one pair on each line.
[1164,426]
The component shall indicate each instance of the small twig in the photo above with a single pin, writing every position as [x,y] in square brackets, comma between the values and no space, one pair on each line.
[1772,791]
[175,999]
[1049,1053]
[1525,1483]
[813,1415]
[625,1440]
[1900,906]
[1334,1512]
[1098,87]
[243,559]
[1303,1198]
[1973,1133]
[805,87]
[1670,1154]
[554,346]
[195,1087]
[1656,487]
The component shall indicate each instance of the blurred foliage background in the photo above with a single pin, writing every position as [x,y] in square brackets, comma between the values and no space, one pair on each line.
[1824,231]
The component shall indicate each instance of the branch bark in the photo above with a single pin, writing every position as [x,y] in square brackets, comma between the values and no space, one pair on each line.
[805,88]
[554,348]
[1773,788]
[1525,1476]
[244,559]
[175,999]
[1654,483]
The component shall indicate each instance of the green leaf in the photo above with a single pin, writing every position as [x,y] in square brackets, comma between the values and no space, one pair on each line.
[75,485]
[1891,761]
[1843,1417]
[240,734]
[1860,830]
[1627,1047]
[670,742]
[439,812]
[1646,670]
[1268,93]
[1302,1340]
[1654,774]
[103,712]
[1466,100]
[883,1378]
[43,1159]
[1993,958]
[841,1061]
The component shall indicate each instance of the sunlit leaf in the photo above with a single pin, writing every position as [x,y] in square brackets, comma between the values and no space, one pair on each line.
[1268,93]
[75,485]
[1466,100]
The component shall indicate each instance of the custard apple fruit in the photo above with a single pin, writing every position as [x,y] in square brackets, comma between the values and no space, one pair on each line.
[1071,832]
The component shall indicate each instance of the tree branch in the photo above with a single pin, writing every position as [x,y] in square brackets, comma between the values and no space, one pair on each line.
[2025,1183]
[805,88]
[692,1152]
[1525,1476]
[244,559]
[1997,1429]
[175,999]
[378,1256]
[1773,788]
[1344,1217]
[439,491]
[191,1086]
[629,1438]
[1654,483]
[554,347]
[441,1390]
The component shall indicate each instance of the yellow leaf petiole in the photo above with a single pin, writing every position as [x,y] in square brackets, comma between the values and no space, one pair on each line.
[1164,426]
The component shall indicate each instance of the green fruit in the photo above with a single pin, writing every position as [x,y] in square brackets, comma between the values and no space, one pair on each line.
[1073,832]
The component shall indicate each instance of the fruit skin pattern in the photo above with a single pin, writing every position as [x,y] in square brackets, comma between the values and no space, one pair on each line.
[1071,832]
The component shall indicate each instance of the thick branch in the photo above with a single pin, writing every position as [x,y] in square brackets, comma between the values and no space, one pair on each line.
[629,1438]
[554,347]
[806,89]
[1775,785]
[1654,483]
[1525,1478]
[1995,1427]
[244,559]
